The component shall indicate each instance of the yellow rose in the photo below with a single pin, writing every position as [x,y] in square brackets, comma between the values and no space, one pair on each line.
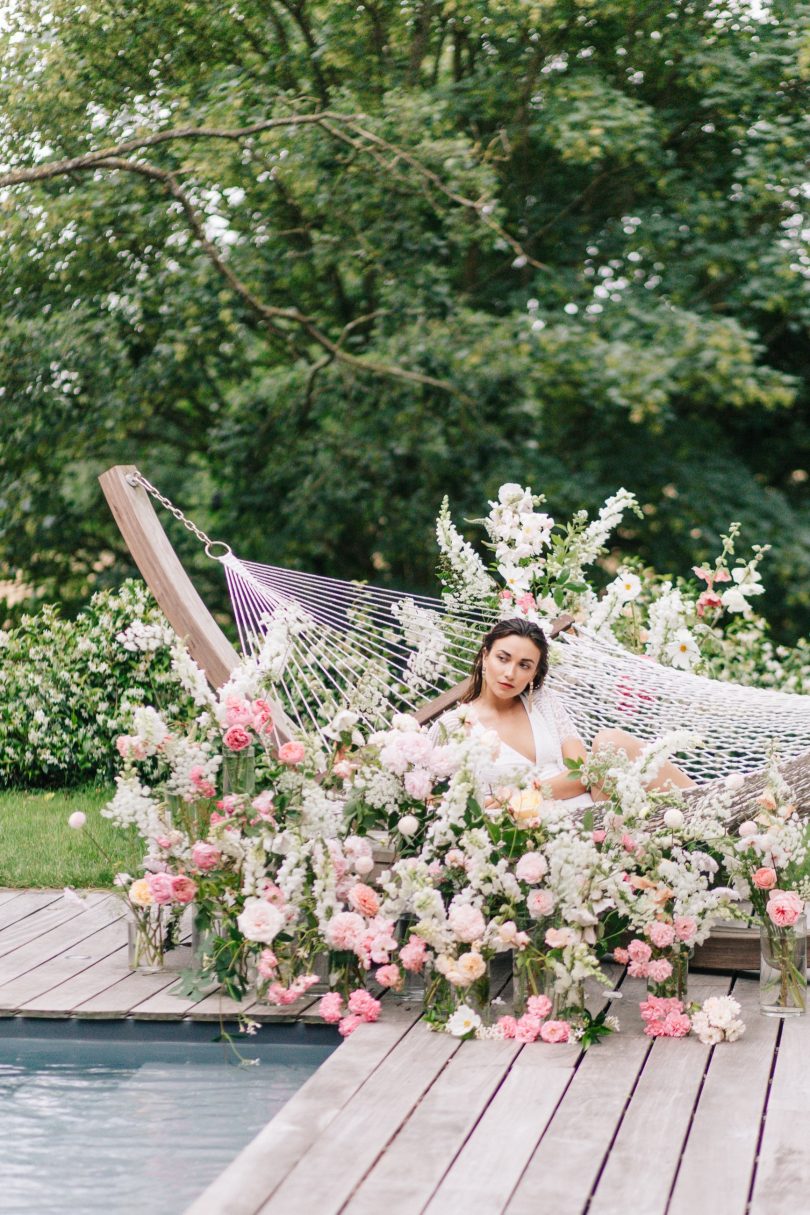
[140,893]
[526,806]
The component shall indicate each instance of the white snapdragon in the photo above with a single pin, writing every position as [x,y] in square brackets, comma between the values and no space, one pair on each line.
[422,631]
[469,581]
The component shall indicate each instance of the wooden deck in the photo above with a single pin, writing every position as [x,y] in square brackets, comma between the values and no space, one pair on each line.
[402,1121]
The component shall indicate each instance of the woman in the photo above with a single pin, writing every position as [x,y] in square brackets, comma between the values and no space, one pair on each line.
[507,695]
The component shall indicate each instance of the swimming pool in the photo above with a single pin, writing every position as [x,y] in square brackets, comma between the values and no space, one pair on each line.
[143,1119]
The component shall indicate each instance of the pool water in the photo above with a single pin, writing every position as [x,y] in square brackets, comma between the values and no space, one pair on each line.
[130,1126]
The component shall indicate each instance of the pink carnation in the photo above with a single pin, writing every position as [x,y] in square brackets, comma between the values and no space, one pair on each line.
[267,964]
[348,1025]
[291,753]
[363,1004]
[659,970]
[330,1007]
[236,738]
[621,956]
[528,1028]
[661,934]
[637,970]
[412,955]
[555,1031]
[784,907]
[345,931]
[389,976]
[363,899]
[539,1006]
[639,951]
[685,927]
[183,889]
[507,1026]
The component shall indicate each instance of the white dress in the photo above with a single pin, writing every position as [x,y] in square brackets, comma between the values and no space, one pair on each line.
[550,723]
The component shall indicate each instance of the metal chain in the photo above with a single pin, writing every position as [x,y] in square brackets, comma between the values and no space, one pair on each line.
[137,478]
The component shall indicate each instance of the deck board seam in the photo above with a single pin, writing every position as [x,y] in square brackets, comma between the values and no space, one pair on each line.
[763,1117]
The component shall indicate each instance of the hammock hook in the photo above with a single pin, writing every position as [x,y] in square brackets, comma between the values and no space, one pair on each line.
[137,478]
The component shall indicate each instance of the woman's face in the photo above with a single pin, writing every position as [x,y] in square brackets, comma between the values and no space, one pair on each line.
[510,666]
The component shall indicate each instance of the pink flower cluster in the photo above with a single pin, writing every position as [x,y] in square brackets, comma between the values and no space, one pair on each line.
[281,996]
[413,955]
[200,782]
[533,1024]
[361,1007]
[370,940]
[171,888]
[664,1017]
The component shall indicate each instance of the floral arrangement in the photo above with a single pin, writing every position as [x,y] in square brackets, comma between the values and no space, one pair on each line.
[378,865]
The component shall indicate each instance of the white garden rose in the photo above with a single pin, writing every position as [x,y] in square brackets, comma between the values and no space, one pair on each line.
[260,921]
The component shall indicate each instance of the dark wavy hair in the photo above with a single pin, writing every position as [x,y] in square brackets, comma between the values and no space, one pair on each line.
[518,627]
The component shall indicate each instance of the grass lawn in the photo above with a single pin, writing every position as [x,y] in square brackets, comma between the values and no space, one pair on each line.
[38,849]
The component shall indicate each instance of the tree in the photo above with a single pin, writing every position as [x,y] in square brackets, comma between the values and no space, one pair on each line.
[313,265]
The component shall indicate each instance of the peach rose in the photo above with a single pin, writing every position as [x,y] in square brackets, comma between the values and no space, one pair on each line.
[363,899]
[765,878]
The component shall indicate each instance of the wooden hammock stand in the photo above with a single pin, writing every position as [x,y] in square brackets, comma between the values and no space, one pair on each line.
[732,948]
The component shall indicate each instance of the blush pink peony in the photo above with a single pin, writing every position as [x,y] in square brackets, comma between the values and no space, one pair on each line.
[784,908]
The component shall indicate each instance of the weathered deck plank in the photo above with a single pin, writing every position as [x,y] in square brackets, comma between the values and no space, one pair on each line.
[259,1170]
[56,933]
[326,1177]
[656,1122]
[718,1160]
[98,942]
[781,1178]
[435,1131]
[34,913]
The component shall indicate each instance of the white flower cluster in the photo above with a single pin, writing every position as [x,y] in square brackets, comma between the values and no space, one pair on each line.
[718,1020]
[669,639]
[422,631]
[146,637]
[592,541]
[464,572]
[519,534]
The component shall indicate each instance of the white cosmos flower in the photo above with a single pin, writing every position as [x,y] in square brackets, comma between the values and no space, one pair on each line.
[627,586]
[682,651]
[463,1021]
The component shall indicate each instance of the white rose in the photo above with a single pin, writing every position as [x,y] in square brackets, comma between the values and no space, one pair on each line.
[673,819]
[260,921]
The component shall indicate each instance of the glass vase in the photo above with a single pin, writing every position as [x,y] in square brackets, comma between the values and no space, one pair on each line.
[566,1003]
[528,979]
[783,969]
[676,984]
[204,931]
[146,932]
[239,772]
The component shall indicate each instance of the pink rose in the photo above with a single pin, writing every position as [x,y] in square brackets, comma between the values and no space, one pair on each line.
[539,1006]
[264,806]
[555,1031]
[389,976]
[599,836]
[628,843]
[237,713]
[661,934]
[418,783]
[621,956]
[363,899]
[466,922]
[183,888]
[639,951]
[532,868]
[267,964]
[559,938]
[236,738]
[292,753]
[540,903]
[765,878]
[205,856]
[784,907]
[330,1007]
[685,927]
[161,886]
[262,717]
[345,931]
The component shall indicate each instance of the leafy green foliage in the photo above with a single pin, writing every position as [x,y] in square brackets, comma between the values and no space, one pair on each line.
[647,324]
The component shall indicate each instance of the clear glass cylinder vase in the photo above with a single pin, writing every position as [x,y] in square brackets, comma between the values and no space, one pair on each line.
[239,772]
[783,969]
[529,978]
[146,933]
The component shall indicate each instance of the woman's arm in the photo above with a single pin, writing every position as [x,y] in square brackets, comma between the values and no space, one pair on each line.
[568,784]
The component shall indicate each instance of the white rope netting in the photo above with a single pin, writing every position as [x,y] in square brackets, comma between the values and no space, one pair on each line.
[329,644]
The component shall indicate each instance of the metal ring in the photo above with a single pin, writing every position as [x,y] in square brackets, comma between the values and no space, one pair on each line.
[218,556]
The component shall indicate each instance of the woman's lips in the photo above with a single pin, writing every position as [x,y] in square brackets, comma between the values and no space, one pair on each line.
[501,684]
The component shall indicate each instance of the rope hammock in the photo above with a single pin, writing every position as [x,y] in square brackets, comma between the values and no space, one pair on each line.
[329,643]
[336,643]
